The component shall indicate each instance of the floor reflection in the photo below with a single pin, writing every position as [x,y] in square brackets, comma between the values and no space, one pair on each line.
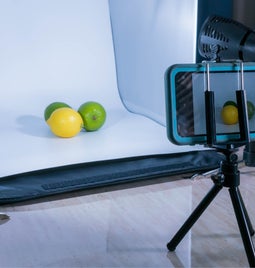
[126,227]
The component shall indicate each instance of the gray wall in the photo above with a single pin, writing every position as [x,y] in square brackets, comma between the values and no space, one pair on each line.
[244,12]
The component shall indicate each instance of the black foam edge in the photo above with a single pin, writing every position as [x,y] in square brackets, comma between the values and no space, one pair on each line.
[52,181]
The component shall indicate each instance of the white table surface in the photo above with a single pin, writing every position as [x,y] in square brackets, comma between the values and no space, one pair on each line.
[63,51]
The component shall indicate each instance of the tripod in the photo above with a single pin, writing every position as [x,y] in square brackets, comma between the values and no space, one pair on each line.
[228,175]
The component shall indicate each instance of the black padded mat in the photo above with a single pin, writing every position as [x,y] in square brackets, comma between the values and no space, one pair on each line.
[68,178]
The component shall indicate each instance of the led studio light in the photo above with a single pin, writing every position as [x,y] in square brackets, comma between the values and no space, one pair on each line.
[225,39]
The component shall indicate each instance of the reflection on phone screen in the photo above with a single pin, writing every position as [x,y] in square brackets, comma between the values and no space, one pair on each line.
[190,105]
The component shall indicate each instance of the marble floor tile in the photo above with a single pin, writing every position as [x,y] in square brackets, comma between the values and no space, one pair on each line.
[127,226]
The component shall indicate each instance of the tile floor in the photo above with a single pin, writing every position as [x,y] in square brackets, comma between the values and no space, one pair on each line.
[127,226]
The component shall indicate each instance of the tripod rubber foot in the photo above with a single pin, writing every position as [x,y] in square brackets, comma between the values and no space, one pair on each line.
[170,247]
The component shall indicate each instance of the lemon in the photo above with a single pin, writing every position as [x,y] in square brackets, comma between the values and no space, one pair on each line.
[52,107]
[229,114]
[250,107]
[65,122]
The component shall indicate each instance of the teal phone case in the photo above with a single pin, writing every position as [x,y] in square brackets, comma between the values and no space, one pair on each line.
[180,109]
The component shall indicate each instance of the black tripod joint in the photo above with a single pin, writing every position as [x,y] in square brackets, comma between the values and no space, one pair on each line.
[228,175]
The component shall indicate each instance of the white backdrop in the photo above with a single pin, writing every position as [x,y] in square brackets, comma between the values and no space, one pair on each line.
[149,36]
[62,50]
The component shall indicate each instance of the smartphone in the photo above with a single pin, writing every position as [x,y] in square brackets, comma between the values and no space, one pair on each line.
[185,85]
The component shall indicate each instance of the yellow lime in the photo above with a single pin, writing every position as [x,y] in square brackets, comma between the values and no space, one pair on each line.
[229,114]
[52,107]
[65,122]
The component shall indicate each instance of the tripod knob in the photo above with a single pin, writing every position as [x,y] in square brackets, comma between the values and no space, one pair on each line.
[218,178]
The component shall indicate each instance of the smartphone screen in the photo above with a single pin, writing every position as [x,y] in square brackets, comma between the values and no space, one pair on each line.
[186,115]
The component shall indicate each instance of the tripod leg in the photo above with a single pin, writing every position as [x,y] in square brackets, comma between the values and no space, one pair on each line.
[243,225]
[194,217]
[251,230]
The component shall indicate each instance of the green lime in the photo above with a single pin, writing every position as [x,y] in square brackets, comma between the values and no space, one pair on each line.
[250,109]
[52,107]
[230,102]
[93,115]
